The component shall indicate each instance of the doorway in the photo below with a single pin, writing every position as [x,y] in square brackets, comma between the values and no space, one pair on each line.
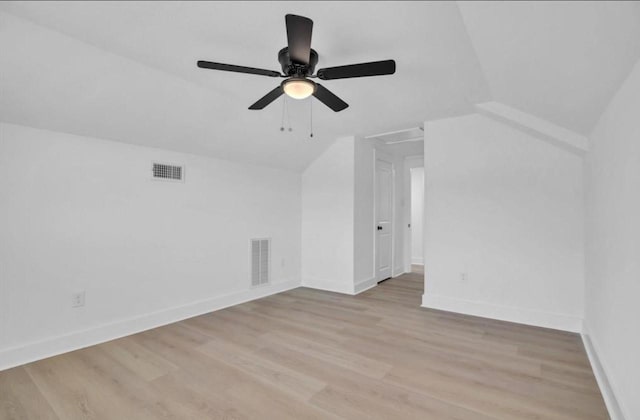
[413,253]
[417,217]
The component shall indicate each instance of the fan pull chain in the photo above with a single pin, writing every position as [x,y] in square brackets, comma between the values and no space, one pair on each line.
[311,117]
[282,120]
[288,115]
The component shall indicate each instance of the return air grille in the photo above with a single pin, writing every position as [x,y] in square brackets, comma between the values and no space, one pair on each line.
[260,261]
[168,172]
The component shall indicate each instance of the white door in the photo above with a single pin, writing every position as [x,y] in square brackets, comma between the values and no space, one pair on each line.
[384,217]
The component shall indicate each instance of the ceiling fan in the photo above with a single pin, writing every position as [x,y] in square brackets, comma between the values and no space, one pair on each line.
[298,61]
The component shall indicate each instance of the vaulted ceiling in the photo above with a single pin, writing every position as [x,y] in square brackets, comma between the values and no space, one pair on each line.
[126,71]
[561,61]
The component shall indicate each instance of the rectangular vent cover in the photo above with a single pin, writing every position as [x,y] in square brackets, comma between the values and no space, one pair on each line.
[260,261]
[168,172]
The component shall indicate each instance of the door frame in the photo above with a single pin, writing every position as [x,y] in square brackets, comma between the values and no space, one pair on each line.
[378,155]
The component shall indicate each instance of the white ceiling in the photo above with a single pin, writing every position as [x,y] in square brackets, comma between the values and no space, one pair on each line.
[561,61]
[126,71]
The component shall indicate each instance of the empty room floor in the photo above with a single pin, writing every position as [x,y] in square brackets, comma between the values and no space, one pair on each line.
[310,354]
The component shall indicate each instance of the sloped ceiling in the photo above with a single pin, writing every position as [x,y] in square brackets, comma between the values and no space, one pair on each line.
[126,71]
[560,61]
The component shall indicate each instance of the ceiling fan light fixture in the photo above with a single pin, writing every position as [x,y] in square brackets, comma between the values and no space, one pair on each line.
[299,88]
[298,61]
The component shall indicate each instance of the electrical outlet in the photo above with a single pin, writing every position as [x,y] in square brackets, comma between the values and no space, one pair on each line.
[77,299]
[463,277]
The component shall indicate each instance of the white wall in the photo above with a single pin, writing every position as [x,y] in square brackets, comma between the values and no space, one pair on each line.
[338,213]
[83,214]
[417,214]
[505,209]
[613,244]
[364,220]
[328,219]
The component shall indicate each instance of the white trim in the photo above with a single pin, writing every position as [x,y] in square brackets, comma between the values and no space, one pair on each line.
[406,141]
[328,285]
[533,317]
[364,285]
[389,133]
[16,356]
[417,261]
[339,287]
[615,409]
[399,273]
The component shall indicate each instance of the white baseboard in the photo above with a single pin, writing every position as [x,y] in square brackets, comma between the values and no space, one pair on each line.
[364,285]
[16,356]
[345,287]
[504,313]
[339,287]
[616,411]
[417,261]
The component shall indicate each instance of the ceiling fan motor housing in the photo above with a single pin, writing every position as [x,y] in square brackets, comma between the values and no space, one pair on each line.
[291,68]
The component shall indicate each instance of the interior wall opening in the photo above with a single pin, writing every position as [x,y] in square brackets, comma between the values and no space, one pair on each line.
[416,225]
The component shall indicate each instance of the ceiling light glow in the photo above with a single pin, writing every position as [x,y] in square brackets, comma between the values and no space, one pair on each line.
[299,88]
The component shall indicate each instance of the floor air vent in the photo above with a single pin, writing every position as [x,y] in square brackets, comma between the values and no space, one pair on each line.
[260,261]
[166,172]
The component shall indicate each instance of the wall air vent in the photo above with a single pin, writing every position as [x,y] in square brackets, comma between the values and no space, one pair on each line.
[167,172]
[260,261]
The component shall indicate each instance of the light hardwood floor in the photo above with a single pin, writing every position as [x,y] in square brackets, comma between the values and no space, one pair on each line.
[307,354]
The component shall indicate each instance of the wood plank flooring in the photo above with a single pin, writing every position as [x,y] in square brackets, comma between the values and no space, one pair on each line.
[307,354]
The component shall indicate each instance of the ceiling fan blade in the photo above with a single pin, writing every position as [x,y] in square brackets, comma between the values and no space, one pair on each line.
[238,69]
[299,30]
[325,96]
[375,68]
[268,98]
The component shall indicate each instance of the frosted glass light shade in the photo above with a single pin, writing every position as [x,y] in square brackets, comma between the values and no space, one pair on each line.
[299,88]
